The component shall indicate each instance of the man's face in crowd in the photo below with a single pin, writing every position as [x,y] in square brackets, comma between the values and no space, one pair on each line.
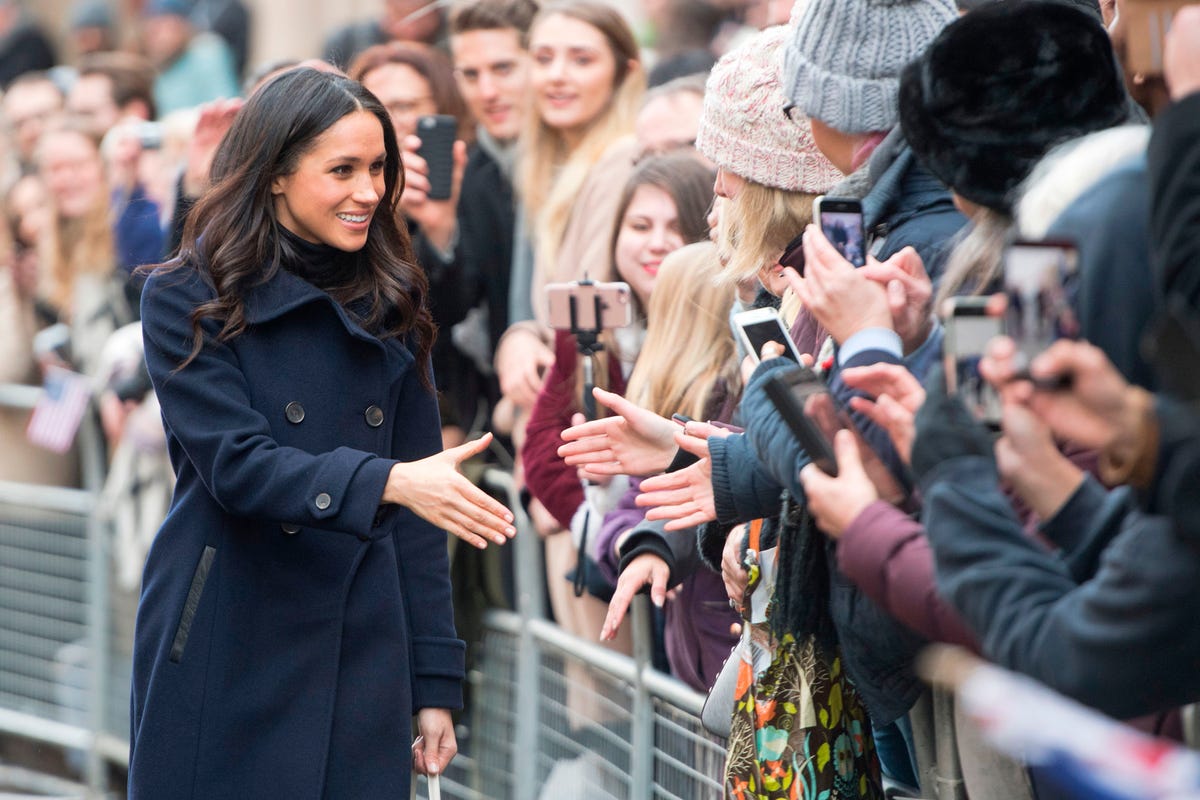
[91,103]
[27,107]
[165,37]
[493,76]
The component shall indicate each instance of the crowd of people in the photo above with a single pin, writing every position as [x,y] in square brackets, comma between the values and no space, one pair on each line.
[682,161]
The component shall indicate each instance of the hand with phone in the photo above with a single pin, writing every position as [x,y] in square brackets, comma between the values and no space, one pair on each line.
[909,291]
[835,501]
[898,395]
[432,182]
[843,299]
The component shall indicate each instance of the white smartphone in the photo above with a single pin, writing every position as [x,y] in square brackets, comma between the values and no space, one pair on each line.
[758,326]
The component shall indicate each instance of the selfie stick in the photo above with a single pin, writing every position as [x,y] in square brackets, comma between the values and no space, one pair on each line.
[587,340]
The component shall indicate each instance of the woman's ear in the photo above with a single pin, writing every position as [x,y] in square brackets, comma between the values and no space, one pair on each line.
[279,185]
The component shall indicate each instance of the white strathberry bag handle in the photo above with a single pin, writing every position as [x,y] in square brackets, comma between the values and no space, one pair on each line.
[435,787]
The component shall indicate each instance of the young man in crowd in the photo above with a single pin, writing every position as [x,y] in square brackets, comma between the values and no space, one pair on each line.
[30,102]
[112,87]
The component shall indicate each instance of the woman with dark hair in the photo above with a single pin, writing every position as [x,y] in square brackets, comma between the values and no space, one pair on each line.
[295,611]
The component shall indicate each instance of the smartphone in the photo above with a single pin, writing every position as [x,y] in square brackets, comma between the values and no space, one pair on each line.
[802,400]
[682,419]
[149,135]
[1040,283]
[589,306]
[437,133]
[841,220]
[969,328]
[758,326]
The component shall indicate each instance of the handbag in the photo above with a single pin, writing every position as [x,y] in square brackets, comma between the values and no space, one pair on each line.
[716,715]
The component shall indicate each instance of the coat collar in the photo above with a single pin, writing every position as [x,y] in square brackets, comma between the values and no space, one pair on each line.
[286,292]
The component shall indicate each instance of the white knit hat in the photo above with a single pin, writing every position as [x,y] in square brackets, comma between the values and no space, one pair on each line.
[842,62]
[744,129]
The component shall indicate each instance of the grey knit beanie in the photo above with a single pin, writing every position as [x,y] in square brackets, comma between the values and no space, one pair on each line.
[843,60]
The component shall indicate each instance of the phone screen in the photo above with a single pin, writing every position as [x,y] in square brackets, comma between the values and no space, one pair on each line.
[771,330]
[1040,282]
[844,230]
[967,337]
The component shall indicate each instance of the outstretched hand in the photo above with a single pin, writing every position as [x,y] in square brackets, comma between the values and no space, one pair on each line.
[685,498]
[647,569]
[435,490]
[898,395]
[637,442]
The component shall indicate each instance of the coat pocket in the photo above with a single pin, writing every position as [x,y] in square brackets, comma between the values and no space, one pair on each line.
[195,591]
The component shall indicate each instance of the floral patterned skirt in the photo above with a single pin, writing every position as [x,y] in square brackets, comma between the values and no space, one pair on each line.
[800,731]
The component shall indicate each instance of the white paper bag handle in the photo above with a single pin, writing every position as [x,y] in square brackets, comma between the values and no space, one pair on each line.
[435,787]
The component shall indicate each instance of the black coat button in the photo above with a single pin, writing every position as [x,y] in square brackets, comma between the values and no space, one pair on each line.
[323,501]
[294,412]
[374,415]
[290,529]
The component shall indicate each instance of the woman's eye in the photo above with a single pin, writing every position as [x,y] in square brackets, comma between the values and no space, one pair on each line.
[583,61]
[342,170]
[377,167]
[544,58]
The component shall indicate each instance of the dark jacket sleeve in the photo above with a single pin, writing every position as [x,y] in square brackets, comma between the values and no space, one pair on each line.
[885,553]
[438,655]
[1174,173]
[1124,642]
[1175,490]
[742,488]
[241,465]
[1086,524]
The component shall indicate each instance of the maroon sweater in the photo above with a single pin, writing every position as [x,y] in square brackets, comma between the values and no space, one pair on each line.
[548,477]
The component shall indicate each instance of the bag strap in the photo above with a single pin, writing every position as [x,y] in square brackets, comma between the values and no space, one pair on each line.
[754,536]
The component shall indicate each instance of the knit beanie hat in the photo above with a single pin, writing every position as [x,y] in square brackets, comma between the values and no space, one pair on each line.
[1003,85]
[744,129]
[843,59]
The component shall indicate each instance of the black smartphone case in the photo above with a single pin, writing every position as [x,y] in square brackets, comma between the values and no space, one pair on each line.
[779,391]
[437,134]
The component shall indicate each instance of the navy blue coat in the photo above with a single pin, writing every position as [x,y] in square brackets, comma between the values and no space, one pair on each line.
[289,624]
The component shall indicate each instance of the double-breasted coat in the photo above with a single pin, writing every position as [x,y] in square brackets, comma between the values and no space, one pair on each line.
[290,625]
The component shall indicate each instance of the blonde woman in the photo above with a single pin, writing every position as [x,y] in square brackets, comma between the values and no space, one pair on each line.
[695,374]
[578,150]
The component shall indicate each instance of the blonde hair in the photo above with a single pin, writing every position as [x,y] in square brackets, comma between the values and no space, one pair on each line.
[975,261]
[72,247]
[688,350]
[756,224]
[550,175]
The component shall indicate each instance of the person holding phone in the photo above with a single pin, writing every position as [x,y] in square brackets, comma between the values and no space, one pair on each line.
[295,613]
[416,84]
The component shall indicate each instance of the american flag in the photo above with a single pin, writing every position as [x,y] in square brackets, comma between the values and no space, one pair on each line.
[59,410]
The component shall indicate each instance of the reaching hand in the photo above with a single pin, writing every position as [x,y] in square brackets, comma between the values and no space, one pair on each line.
[909,290]
[1028,459]
[841,297]
[521,365]
[837,502]
[733,571]
[436,746]
[636,442]
[436,491]
[437,218]
[684,497]
[647,569]
[898,395]
[215,120]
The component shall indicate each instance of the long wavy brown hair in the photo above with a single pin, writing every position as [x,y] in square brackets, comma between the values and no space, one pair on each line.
[232,236]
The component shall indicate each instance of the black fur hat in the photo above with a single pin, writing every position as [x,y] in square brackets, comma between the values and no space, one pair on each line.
[1000,87]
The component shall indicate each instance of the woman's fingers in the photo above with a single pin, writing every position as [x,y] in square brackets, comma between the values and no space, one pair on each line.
[469,449]
[669,498]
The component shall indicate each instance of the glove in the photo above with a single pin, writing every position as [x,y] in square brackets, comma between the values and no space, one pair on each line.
[945,429]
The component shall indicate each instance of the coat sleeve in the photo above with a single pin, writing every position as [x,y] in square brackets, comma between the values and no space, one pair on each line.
[548,477]
[1124,642]
[885,553]
[207,411]
[438,655]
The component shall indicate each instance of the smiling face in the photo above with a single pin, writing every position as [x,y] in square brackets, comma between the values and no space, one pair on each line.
[331,196]
[572,74]
[72,171]
[649,233]
[492,71]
